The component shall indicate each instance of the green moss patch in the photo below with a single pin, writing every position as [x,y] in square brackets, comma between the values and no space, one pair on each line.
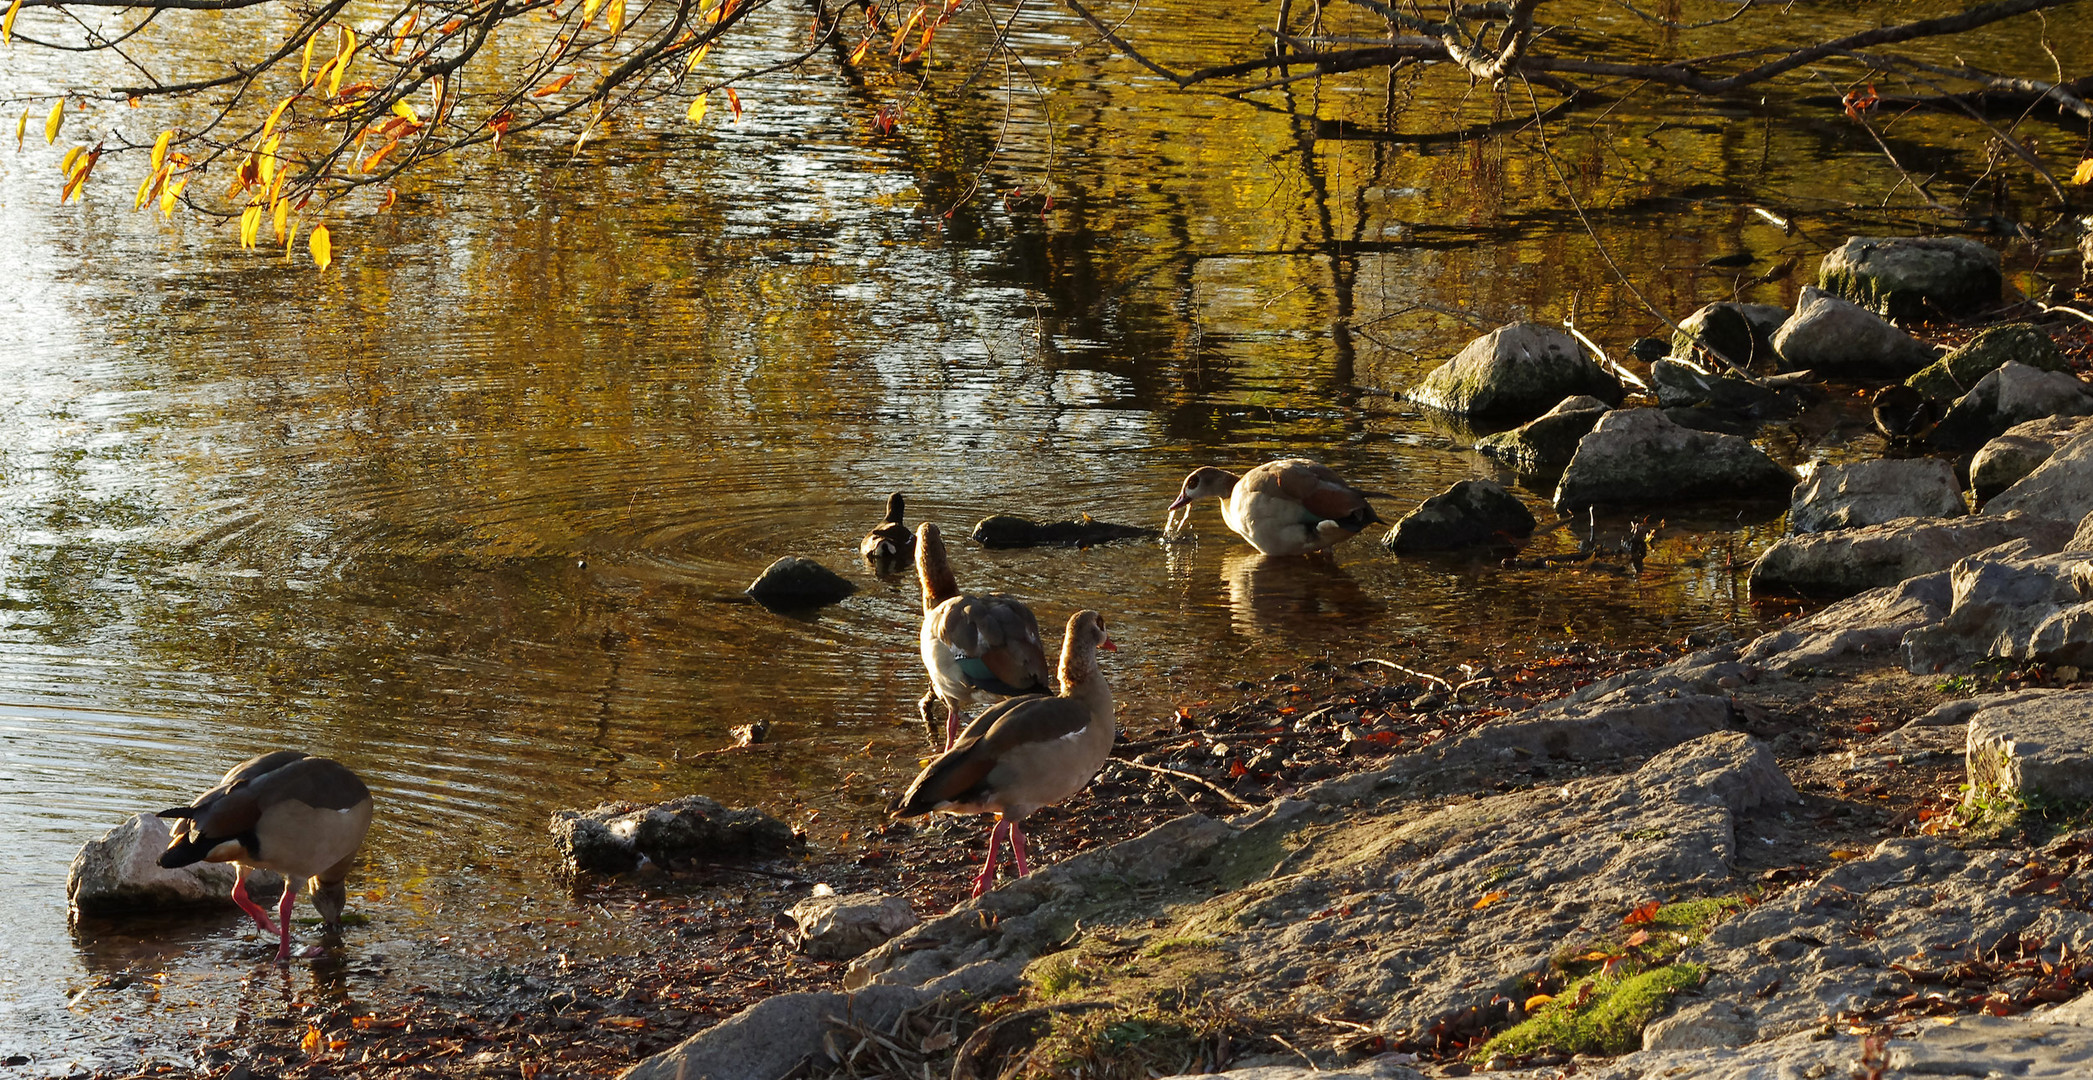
[1603,1015]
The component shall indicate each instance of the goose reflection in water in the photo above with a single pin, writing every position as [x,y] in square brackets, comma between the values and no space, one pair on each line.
[1281,596]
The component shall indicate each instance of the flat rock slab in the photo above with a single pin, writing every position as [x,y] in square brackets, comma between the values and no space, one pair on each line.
[2036,746]
[1638,456]
[1008,531]
[1913,277]
[1851,561]
[1865,493]
[1515,371]
[120,873]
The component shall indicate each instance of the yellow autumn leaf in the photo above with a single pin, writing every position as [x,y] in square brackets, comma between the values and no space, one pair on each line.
[170,192]
[697,109]
[160,148]
[7,25]
[277,114]
[54,121]
[322,247]
[268,159]
[65,164]
[21,130]
[282,215]
[2084,175]
[589,9]
[305,65]
[1538,1000]
[312,1041]
[698,57]
[145,189]
[405,112]
[251,226]
[617,17]
[1843,854]
[341,62]
[289,235]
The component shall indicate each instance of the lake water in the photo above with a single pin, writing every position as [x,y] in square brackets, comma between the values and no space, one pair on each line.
[460,511]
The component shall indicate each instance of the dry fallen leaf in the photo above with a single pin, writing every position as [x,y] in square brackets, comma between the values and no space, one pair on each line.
[1488,899]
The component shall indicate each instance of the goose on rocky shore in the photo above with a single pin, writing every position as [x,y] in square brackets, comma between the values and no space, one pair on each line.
[303,817]
[978,649]
[1288,507]
[1027,752]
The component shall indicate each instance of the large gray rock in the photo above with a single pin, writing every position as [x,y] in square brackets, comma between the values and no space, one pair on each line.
[120,872]
[1874,492]
[1957,373]
[1545,443]
[2004,461]
[1739,333]
[1913,277]
[778,1035]
[796,582]
[2036,746]
[1872,623]
[2061,488]
[1515,371]
[1469,513]
[1854,560]
[2013,394]
[1640,456]
[2017,601]
[1837,338]
[845,926]
[614,837]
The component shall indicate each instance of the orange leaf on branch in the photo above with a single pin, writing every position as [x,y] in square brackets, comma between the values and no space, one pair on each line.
[555,86]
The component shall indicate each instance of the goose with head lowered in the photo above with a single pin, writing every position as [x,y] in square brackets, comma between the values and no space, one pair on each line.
[303,817]
[978,649]
[1288,507]
[1027,752]
[889,545]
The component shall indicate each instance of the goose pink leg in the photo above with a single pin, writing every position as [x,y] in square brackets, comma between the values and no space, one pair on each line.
[954,721]
[1017,848]
[240,897]
[283,915]
[987,879]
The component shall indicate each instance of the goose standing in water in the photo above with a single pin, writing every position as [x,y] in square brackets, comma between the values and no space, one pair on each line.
[978,649]
[1287,507]
[303,817]
[1027,752]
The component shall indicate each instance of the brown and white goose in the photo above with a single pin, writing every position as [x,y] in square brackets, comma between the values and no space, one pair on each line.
[889,544]
[1288,507]
[978,649]
[303,817]
[1027,752]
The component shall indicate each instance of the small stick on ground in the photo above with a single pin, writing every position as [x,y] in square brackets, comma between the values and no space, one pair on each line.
[1189,778]
[1412,672]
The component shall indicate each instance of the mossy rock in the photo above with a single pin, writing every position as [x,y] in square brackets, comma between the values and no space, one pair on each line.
[1547,442]
[1610,1020]
[1955,374]
[1740,333]
[1515,372]
[1913,278]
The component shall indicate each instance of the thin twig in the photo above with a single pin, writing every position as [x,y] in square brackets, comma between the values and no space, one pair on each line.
[1412,672]
[1190,778]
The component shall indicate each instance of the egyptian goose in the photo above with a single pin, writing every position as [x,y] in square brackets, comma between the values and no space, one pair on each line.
[1027,752]
[1287,507]
[303,817]
[890,543]
[978,649]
